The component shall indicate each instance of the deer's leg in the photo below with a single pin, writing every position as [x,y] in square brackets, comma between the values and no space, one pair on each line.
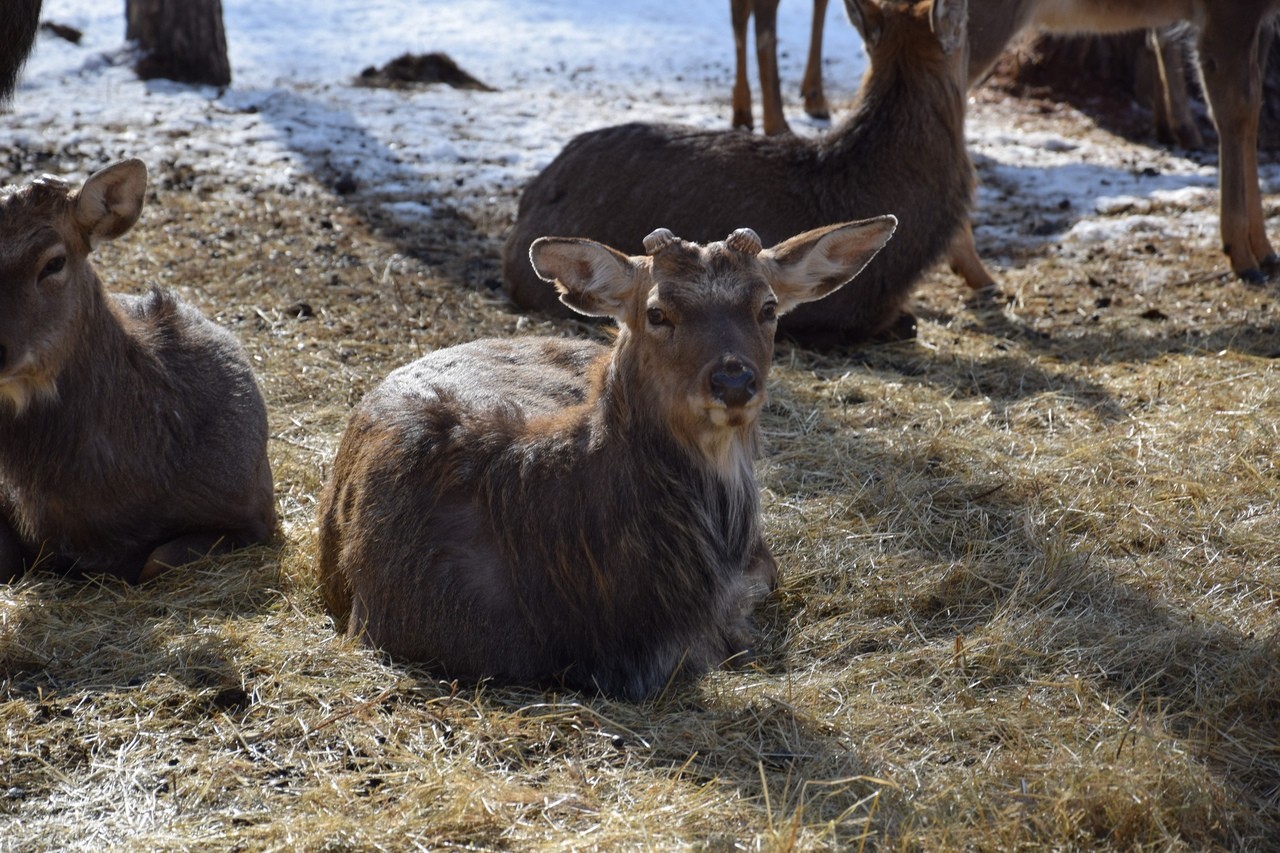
[1170,105]
[11,562]
[815,101]
[1232,72]
[1262,249]
[767,58]
[188,549]
[962,256]
[740,11]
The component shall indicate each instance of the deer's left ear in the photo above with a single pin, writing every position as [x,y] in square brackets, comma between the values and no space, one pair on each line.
[815,263]
[590,277]
[110,201]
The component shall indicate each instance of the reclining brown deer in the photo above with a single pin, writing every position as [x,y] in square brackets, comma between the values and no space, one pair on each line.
[901,151]
[542,508]
[19,20]
[133,437]
[765,13]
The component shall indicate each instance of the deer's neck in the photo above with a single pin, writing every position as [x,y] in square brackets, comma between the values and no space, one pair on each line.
[906,131]
[625,416]
[96,386]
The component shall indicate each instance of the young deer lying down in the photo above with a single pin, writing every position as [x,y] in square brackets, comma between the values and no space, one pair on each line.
[901,151]
[541,508]
[132,435]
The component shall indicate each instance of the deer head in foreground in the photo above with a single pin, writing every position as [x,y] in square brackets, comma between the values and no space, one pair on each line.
[132,434]
[541,508]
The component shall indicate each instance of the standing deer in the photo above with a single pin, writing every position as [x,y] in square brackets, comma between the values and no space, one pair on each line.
[19,20]
[901,150]
[1232,42]
[765,13]
[534,509]
[132,434]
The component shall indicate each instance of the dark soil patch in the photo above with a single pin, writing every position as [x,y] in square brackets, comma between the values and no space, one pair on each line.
[420,69]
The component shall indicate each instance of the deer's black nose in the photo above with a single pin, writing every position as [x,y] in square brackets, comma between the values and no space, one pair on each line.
[2,356]
[734,384]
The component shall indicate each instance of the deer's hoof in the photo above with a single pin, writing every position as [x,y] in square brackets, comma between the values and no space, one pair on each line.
[1252,276]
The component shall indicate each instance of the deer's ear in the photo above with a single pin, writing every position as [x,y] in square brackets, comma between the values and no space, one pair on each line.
[815,263]
[949,20]
[110,201]
[591,278]
[866,19]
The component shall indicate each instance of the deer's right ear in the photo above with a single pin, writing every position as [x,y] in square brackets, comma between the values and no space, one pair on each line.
[865,17]
[950,20]
[591,278]
[110,201]
[817,262]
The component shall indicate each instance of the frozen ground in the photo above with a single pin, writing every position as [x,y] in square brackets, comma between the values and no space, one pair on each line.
[559,68]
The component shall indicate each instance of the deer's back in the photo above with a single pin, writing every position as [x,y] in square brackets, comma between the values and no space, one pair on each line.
[615,183]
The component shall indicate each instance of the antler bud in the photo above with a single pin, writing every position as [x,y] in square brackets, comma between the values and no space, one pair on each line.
[744,240]
[659,239]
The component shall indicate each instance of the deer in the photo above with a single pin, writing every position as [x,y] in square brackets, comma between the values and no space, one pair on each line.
[19,20]
[765,14]
[133,436]
[901,151]
[544,510]
[1232,42]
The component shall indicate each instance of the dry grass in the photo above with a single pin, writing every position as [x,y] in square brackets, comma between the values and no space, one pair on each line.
[1031,574]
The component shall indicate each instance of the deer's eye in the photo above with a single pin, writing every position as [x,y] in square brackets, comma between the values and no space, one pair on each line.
[656,317]
[53,267]
[769,312]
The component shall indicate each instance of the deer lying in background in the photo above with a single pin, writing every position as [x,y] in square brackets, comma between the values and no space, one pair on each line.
[543,508]
[19,20]
[901,151]
[1232,44]
[132,435]
[765,13]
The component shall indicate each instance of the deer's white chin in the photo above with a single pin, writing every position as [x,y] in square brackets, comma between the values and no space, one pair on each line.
[736,417]
[18,391]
